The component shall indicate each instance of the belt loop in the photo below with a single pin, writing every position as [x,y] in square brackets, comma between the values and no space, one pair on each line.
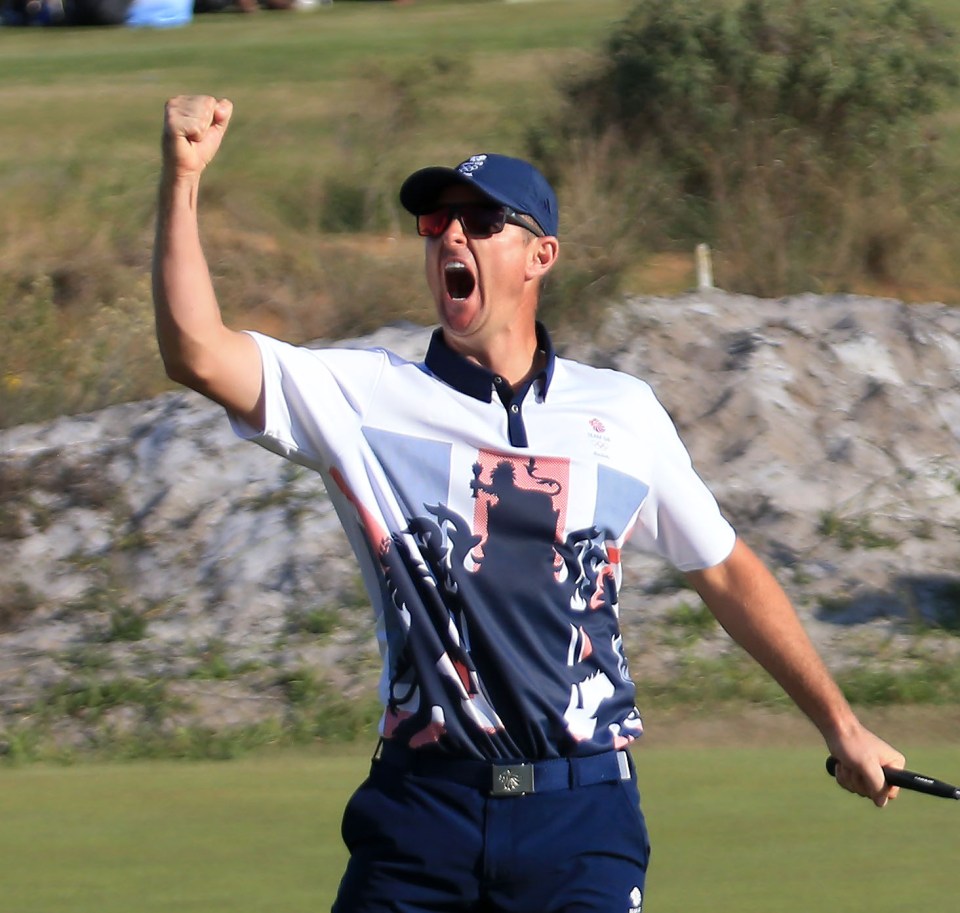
[578,768]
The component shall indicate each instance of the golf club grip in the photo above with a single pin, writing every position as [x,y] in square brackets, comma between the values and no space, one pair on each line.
[907,779]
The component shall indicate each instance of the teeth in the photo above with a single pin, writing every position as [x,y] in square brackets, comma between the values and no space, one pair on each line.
[454,265]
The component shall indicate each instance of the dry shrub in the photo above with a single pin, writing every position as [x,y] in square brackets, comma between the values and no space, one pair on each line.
[303,287]
[789,137]
[607,193]
[59,362]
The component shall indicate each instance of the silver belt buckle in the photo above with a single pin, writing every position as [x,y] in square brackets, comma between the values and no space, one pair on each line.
[512,780]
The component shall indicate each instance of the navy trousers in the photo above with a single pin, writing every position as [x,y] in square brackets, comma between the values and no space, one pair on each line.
[422,842]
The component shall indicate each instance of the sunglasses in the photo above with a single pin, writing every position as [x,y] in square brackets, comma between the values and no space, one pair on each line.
[479,220]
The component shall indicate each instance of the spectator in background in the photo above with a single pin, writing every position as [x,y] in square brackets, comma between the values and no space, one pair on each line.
[65,12]
[242,6]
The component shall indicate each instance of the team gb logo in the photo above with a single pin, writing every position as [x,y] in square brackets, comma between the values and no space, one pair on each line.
[599,438]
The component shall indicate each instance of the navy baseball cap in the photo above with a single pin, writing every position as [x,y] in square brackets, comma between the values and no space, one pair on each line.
[509,181]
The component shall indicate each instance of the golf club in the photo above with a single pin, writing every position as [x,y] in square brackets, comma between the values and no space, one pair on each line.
[907,779]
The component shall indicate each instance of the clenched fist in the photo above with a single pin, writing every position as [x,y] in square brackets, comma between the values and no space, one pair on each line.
[193,128]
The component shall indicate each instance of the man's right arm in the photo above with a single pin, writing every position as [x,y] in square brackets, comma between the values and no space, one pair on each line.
[198,350]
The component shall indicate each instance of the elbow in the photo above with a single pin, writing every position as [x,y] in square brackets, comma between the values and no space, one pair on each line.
[174,364]
[178,373]
[182,370]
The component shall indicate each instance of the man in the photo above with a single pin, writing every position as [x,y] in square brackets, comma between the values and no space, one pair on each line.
[487,493]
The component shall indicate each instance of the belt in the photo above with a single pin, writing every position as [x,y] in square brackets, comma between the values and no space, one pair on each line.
[510,778]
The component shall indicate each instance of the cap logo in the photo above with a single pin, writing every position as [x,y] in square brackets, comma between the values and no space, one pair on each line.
[472,164]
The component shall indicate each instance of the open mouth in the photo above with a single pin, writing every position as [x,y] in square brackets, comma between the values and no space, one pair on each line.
[459,280]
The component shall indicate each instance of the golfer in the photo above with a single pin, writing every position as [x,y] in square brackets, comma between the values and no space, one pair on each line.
[487,493]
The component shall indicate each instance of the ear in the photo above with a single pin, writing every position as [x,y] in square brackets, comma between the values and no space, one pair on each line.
[543,254]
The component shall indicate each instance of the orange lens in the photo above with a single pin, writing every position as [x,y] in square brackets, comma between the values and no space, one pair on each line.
[478,220]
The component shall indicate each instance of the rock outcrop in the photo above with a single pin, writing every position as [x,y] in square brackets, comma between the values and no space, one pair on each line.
[146,551]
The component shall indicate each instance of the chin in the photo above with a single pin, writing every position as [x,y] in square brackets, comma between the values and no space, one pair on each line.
[459,318]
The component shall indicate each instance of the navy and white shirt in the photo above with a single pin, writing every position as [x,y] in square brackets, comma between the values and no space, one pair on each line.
[488,524]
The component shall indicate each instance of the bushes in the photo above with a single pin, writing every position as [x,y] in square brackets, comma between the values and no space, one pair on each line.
[788,135]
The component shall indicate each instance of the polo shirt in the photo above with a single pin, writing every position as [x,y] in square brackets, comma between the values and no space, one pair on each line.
[488,524]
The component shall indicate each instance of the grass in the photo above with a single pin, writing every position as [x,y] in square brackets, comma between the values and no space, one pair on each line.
[733,829]
[852,532]
[756,830]
[255,835]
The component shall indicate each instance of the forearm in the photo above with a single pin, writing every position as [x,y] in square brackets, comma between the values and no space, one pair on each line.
[185,305]
[198,350]
[756,612]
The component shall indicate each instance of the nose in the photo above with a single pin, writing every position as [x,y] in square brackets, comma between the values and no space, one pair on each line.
[455,232]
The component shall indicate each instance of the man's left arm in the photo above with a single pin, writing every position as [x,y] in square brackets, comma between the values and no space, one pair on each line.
[755,611]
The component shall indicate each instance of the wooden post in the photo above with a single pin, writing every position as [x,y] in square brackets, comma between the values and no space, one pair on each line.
[704,267]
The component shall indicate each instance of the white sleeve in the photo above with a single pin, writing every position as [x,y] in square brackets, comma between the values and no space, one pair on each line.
[314,399]
[680,518]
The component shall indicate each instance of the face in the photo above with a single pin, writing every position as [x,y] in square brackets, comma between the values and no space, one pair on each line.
[482,287]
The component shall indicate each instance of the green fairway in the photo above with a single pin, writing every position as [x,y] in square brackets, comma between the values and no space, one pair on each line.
[766,831]
[257,835]
[742,830]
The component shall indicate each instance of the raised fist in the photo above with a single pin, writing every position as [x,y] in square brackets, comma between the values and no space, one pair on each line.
[193,128]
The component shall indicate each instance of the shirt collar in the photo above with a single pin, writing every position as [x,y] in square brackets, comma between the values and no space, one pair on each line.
[474,380]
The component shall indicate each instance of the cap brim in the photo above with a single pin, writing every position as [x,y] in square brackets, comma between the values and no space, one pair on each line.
[420,193]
